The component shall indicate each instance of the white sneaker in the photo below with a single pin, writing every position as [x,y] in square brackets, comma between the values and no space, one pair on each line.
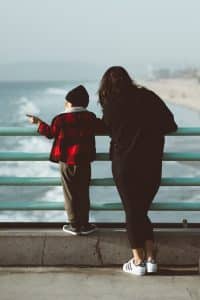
[151,266]
[130,267]
[71,229]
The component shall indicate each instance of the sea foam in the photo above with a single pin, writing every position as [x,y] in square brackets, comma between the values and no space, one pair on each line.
[56,91]
[26,107]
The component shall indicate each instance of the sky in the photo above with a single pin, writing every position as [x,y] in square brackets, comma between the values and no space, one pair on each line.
[101,32]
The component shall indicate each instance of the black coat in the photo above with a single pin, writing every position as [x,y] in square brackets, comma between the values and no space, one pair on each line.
[137,123]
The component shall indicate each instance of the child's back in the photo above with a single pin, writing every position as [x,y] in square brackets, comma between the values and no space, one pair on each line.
[74,133]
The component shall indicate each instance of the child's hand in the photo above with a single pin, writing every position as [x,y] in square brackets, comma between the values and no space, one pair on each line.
[33,119]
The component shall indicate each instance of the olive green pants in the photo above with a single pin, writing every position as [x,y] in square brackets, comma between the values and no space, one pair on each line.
[75,182]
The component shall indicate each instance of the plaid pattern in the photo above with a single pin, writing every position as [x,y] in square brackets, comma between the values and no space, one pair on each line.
[74,136]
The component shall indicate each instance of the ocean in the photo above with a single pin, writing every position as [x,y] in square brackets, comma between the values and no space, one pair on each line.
[46,99]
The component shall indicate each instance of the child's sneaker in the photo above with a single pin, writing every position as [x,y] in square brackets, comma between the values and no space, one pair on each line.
[71,229]
[151,266]
[87,229]
[131,267]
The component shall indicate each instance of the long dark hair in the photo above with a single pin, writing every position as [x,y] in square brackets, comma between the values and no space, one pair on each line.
[116,82]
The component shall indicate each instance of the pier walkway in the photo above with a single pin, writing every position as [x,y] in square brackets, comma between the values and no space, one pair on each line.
[49,264]
[96,283]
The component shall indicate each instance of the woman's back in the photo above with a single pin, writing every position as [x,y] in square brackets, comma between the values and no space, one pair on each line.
[138,108]
[137,123]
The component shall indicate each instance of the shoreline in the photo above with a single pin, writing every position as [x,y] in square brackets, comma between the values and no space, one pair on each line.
[181,91]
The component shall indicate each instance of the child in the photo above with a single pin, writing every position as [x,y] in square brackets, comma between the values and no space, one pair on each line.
[74,148]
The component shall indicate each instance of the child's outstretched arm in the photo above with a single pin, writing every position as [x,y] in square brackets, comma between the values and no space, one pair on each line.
[50,131]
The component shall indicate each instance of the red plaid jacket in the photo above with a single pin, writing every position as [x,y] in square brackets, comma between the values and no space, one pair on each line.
[74,136]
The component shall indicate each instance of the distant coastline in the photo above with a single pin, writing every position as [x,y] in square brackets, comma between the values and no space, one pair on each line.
[181,91]
[178,86]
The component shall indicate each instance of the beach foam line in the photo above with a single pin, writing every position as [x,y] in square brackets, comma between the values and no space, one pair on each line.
[56,91]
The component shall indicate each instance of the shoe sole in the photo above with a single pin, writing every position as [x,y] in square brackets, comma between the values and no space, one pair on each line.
[151,268]
[133,273]
[88,232]
[70,232]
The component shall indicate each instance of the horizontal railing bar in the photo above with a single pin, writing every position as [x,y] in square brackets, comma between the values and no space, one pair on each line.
[181,156]
[32,156]
[44,156]
[24,156]
[53,205]
[186,131]
[29,131]
[18,131]
[55,181]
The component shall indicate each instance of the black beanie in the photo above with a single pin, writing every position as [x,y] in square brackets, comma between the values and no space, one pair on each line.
[78,96]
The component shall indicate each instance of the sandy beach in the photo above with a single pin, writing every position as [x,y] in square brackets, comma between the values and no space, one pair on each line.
[181,91]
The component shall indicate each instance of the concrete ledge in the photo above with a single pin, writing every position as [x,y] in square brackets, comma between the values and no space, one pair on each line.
[35,247]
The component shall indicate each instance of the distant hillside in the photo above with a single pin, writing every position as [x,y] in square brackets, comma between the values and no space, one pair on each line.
[49,71]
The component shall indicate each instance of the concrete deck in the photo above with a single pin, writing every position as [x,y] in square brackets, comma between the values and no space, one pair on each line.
[94,283]
[53,247]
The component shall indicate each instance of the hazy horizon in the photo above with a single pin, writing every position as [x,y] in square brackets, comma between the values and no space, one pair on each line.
[138,35]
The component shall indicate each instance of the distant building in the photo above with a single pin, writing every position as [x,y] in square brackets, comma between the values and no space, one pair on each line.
[165,73]
[162,73]
[186,73]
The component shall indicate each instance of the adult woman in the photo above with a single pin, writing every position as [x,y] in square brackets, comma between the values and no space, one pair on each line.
[137,120]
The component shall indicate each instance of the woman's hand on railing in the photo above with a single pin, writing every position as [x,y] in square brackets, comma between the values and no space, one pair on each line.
[34,119]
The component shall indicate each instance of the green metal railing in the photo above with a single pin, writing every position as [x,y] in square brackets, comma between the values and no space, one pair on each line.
[55,181]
